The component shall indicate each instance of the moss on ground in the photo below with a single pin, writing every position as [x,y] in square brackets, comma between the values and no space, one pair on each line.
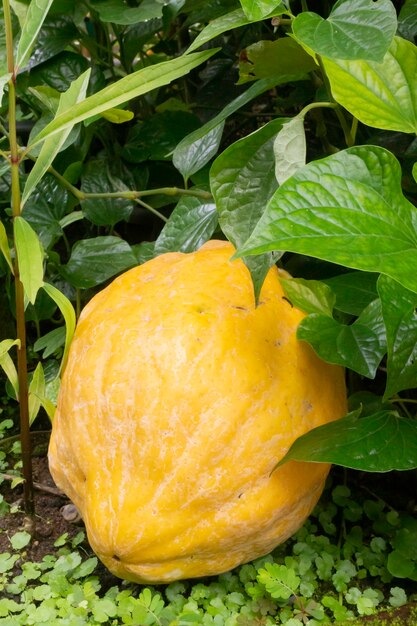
[403,616]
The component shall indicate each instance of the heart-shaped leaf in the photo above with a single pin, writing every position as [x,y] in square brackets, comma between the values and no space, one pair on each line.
[359,346]
[376,443]
[381,95]
[355,29]
[348,209]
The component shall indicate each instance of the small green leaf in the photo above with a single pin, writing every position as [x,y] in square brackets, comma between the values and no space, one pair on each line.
[229,21]
[290,149]
[128,87]
[279,580]
[311,296]
[4,247]
[381,95]
[7,364]
[355,29]
[51,342]
[195,150]
[399,312]
[99,177]
[118,116]
[20,540]
[68,313]
[359,346]
[93,261]
[37,12]
[400,566]
[30,257]
[398,597]
[3,82]
[283,58]
[52,145]
[260,9]
[192,223]
[348,209]
[118,12]
[36,391]
[376,443]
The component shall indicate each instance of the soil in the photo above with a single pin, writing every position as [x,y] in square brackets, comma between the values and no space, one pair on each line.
[49,521]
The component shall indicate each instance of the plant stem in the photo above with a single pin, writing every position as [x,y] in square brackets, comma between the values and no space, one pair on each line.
[20,299]
[151,209]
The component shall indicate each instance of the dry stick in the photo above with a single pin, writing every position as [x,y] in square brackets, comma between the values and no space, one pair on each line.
[39,486]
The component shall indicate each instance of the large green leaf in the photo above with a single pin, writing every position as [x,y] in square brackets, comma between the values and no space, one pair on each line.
[260,9]
[52,145]
[93,261]
[348,209]
[381,95]
[37,12]
[375,443]
[359,346]
[399,311]
[283,57]
[192,223]
[55,35]
[224,23]
[30,257]
[125,89]
[242,180]
[355,29]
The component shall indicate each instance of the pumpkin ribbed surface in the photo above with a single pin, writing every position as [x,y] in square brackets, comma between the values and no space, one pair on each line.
[178,399]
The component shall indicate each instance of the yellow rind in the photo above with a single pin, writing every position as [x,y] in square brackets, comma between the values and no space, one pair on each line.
[178,399]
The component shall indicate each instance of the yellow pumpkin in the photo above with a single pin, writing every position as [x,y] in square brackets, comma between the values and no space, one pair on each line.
[178,399]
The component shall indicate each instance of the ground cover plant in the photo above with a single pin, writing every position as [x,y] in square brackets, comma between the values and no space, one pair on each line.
[132,129]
